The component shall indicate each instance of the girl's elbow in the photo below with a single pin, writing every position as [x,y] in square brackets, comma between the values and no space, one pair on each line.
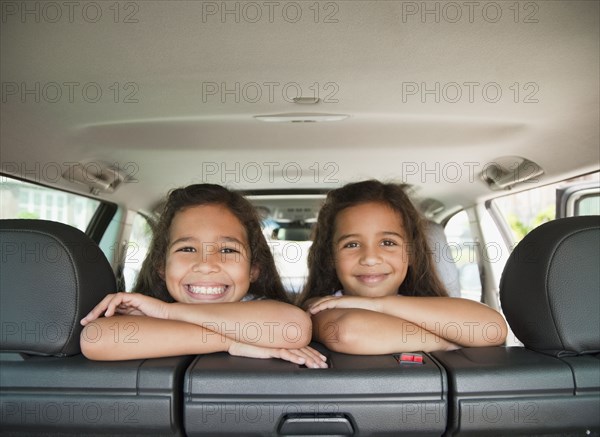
[294,327]
[501,332]
[493,333]
[341,334]
[91,346]
[98,347]
[304,325]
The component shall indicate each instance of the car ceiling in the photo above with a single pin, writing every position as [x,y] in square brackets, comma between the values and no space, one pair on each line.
[364,64]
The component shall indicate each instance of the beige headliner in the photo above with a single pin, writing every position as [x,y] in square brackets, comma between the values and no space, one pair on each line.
[174,137]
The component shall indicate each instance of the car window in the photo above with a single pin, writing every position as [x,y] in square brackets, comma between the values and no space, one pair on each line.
[29,201]
[588,205]
[136,250]
[462,250]
[526,210]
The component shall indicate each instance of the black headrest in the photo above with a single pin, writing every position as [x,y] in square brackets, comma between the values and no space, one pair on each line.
[52,276]
[550,287]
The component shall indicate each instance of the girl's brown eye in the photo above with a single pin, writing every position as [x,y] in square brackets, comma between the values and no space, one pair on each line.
[185,249]
[229,250]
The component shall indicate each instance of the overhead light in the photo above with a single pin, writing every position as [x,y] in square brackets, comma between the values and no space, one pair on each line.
[508,171]
[306,100]
[303,117]
[99,177]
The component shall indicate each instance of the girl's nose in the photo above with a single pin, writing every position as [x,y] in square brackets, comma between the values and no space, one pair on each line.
[207,260]
[370,257]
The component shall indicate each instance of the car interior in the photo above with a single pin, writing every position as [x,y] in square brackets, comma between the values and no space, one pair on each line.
[488,111]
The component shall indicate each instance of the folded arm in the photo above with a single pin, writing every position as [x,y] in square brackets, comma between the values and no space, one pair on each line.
[262,323]
[365,332]
[460,321]
[138,337]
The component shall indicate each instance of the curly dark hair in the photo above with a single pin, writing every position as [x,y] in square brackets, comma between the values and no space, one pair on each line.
[421,278]
[151,283]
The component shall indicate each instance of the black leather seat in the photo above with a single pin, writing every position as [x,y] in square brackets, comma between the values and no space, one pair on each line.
[356,395]
[550,294]
[51,276]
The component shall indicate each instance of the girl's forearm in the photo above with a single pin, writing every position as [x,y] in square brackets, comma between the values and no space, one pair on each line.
[364,332]
[457,320]
[138,337]
[261,323]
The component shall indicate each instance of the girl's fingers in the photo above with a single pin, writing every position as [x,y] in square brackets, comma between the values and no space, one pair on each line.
[323,299]
[310,359]
[116,300]
[314,309]
[324,303]
[327,305]
[305,356]
[316,352]
[290,355]
[103,307]
[96,311]
[311,354]
[314,361]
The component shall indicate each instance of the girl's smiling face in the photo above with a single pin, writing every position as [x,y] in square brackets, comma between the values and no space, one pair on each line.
[371,254]
[208,258]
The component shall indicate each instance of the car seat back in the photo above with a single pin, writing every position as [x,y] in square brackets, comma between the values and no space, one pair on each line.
[52,276]
[550,288]
[549,292]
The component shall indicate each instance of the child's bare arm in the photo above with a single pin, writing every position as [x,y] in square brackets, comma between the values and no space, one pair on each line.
[365,332]
[140,337]
[137,337]
[460,321]
[262,323]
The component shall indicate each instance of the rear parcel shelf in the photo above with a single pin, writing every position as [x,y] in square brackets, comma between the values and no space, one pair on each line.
[357,395]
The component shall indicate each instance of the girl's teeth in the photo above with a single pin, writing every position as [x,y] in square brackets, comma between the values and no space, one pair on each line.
[206,290]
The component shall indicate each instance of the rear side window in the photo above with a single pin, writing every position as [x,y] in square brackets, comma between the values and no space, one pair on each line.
[522,212]
[29,201]
[136,250]
[588,205]
[462,250]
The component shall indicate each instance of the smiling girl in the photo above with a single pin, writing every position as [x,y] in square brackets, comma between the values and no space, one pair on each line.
[208,284]
[372,286]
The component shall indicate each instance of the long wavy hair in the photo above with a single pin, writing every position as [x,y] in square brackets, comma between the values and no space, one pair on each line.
[421,278]
[150,280]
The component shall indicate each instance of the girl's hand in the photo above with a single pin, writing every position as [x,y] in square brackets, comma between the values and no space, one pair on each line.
[304,356]
[133,304]
[330,302]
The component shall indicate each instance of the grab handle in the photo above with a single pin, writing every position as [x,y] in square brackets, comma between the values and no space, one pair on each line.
[316,424]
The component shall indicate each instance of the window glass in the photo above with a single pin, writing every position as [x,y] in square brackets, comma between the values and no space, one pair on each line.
[136,250]
[526,210]
[462,247]
[29,201]
[588,205]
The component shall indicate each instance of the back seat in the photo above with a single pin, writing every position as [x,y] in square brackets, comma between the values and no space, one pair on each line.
[366,395]
[53,275]
[550,294]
